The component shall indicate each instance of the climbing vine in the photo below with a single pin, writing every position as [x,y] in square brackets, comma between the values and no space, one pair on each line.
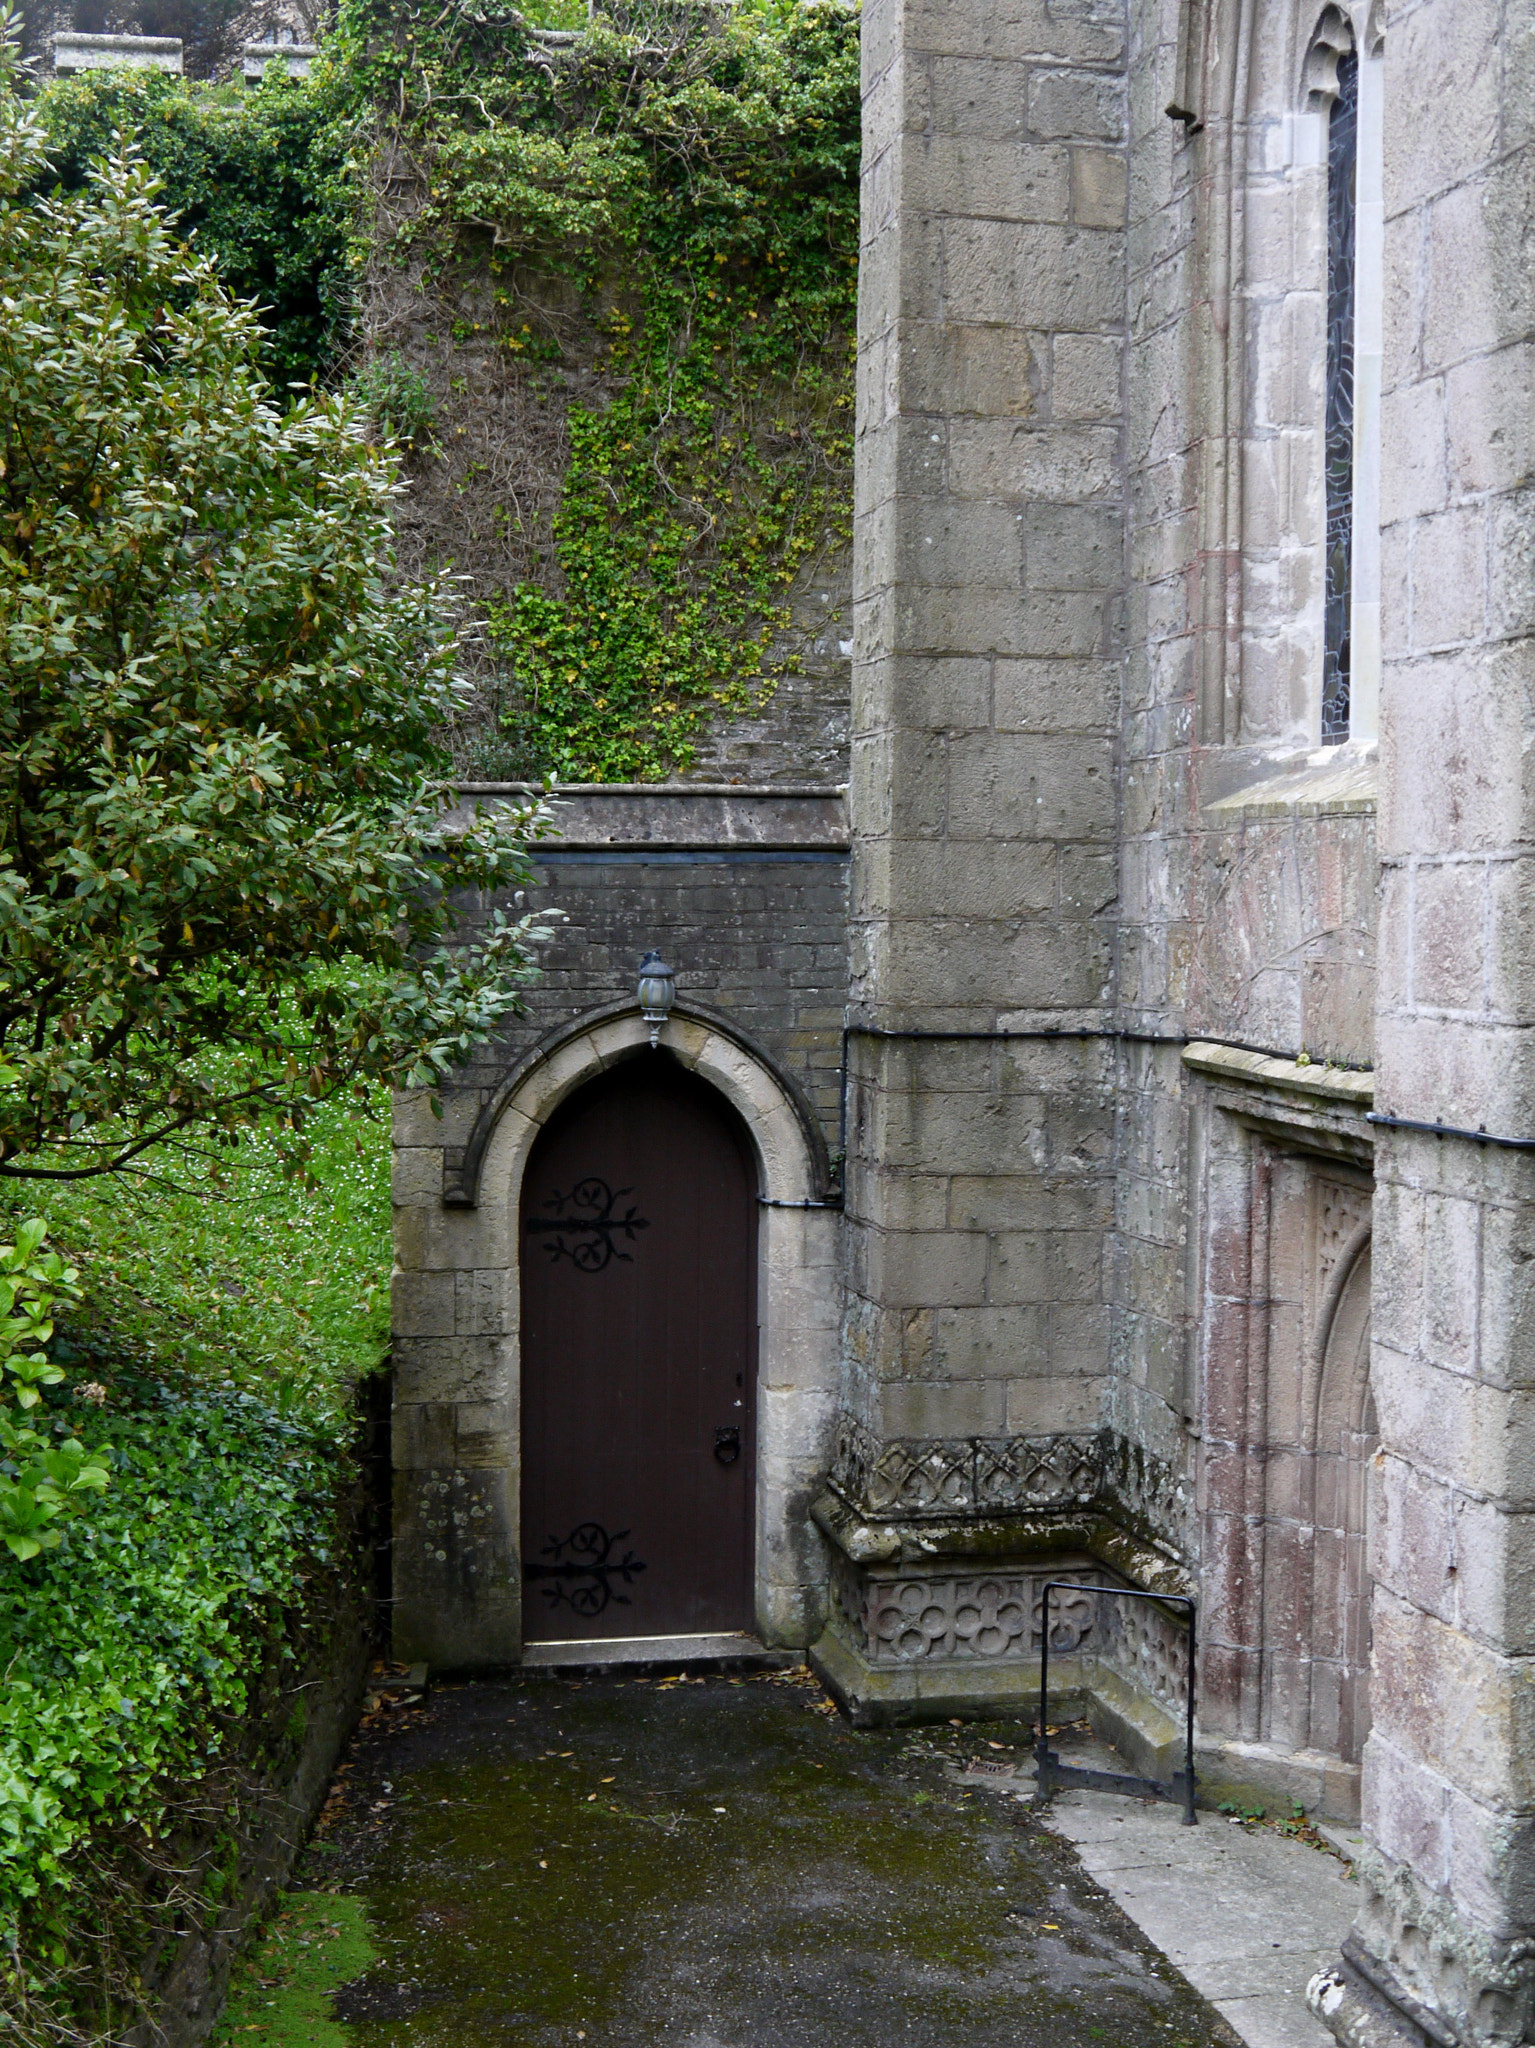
[651,225]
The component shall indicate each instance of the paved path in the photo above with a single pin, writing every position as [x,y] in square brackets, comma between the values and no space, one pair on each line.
[1247,1915]
[718,1863]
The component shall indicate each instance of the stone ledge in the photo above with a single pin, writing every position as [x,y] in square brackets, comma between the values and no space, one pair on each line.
[984,1541]
[75,51]
[1346,1085]
[296,59]
[674,816]
[972,1483]
[1328,786]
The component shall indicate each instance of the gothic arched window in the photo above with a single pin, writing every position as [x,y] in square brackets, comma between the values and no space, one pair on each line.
[1342,198]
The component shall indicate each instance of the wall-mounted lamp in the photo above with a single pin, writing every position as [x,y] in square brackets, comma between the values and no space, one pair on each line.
[658,990]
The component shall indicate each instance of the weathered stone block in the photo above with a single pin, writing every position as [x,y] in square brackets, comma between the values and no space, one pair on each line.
[1037,1406]
[423,1304]
[955,370]
[964,176]
[996,459]
[1099,188]
[922,1269]
[1083,106]
[942,1408]
[1031,788]
[1085,377]
[1033,276]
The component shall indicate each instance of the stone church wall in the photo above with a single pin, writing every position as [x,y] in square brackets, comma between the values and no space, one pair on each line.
[1152,1273]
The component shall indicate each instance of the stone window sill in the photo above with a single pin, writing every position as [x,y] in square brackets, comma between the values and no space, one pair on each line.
[1339,781]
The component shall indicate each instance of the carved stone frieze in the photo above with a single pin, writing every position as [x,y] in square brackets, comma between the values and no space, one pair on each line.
[1341,1207]
[1146,1491]
[912,1478]
[965,1617]
[909,1477]
[1149,1647]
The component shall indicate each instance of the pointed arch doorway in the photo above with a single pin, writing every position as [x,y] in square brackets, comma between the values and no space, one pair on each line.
[639,1347]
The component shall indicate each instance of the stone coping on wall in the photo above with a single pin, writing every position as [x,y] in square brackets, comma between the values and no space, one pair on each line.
[75,51]
[676,816]
[297,59]
[985,1543]
[1352,1087]
[963,1490]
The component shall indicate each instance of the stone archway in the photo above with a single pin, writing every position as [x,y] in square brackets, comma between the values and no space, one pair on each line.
[1344,1442]
[458,1363]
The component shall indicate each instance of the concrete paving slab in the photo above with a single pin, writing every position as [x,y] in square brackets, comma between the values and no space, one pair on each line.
[1247,1915]
[1275,2021]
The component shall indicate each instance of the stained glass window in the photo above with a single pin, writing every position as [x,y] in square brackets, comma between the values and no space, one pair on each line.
[1342,161]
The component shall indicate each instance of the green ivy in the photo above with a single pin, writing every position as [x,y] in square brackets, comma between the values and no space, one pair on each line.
[209,1362]
[701,196]
[128,1653]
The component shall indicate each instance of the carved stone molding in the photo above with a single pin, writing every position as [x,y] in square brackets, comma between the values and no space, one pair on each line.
[951,1613]
[1146,1492]
[927,1616]
[1414,1972]
[916,1478]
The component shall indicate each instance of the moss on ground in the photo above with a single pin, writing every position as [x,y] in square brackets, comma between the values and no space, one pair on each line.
[281,1993]
[625,1862]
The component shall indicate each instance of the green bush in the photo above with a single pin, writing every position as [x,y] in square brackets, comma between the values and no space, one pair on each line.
[129,1652]
[210,1359]
[46,1473]
[257,179]
[225,883]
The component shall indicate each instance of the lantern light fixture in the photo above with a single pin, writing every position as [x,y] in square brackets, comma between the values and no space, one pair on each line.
[657,991]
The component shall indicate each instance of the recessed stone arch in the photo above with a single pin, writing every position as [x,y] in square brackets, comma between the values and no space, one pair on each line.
[1344,1439]
[457,1358]
[790,1150]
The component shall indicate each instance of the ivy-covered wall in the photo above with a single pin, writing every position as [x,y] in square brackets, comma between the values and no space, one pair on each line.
[608,294]
[602,284]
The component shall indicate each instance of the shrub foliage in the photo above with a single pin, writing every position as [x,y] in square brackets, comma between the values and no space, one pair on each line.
[223,883]
[257,181]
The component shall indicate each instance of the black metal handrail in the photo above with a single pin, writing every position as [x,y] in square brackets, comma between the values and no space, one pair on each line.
[1052,1773]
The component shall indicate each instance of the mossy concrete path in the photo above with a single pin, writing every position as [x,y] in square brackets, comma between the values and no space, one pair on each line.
[714,1863]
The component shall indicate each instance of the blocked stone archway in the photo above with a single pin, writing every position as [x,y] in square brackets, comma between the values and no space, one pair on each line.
[457,1357]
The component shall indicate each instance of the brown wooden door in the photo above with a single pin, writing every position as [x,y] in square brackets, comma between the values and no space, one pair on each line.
[639,1341]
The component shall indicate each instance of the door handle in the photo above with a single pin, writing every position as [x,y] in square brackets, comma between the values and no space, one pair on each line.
[727,1443]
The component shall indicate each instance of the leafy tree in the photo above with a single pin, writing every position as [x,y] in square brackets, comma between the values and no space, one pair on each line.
[256,180]
[223,886]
